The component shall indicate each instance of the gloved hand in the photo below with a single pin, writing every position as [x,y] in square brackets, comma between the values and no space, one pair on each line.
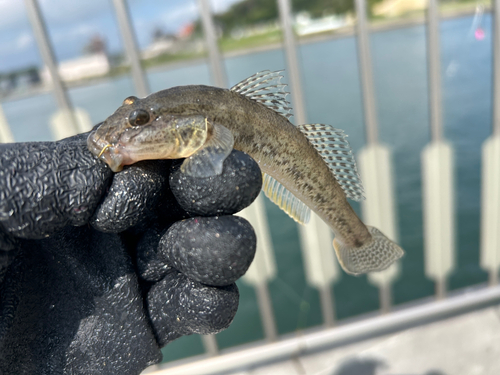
[98,270]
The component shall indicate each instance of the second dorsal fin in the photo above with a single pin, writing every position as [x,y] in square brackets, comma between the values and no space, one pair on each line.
[265,87]
[332,145]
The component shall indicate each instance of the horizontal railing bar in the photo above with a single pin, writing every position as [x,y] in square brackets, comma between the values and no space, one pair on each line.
[341,335]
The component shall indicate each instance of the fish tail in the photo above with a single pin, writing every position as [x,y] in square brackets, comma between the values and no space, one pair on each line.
[376,255]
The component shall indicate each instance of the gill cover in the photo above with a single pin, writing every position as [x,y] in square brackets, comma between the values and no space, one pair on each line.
[209,159]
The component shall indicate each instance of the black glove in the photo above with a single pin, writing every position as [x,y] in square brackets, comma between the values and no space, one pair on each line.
[99,270]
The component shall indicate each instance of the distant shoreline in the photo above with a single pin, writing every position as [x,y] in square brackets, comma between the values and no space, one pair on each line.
[351,30]
[346,32]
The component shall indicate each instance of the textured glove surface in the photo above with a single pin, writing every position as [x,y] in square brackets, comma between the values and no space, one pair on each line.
[99,270]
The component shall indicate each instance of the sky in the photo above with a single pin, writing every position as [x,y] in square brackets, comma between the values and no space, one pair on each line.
[72,23]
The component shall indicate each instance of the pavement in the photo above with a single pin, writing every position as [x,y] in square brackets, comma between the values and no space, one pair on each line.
[468,344]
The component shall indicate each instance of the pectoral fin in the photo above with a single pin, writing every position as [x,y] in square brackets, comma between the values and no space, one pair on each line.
[208,160]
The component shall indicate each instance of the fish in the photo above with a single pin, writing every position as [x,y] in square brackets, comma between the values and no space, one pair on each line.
[305,167]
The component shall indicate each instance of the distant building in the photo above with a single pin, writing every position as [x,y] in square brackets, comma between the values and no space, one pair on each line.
[305,25]
[160,45]
[395,8]
[168,43]
[76,69]
[186,31]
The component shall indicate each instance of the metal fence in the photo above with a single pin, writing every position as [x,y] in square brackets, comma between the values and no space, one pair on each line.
[375,163]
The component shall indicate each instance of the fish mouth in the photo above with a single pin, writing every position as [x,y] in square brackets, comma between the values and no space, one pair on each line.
[110,153]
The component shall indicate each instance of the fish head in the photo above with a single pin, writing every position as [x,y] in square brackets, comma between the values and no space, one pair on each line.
[139,130]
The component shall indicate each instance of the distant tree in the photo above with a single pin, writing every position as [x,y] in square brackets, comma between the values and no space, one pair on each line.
[318,8]
[251,12]
[247,12]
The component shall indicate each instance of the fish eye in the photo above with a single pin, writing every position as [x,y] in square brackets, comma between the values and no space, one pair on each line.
[138,117]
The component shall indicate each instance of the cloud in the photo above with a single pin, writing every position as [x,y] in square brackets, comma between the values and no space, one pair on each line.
[23,41]
[13,14]
[54,12]
[64,12]
[15,43]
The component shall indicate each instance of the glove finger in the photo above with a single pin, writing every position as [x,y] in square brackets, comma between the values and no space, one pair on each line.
[179,306]
[47,185]
[136,195]
[224,194]
[212,250]
[150,265]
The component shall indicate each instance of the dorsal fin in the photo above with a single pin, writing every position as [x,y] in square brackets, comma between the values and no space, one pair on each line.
[332,145]
[265,87]
[285,200]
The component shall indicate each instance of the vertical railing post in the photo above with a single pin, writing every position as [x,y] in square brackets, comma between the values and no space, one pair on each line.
[320,266]
[365,62]
[434,67]
[437,172]
[210,345]
[490,182]
[292,61]
[263,268]
[214,55]
[219,79]
[42,39]
[375,163]
[496,68]
[5,133]
[130,42]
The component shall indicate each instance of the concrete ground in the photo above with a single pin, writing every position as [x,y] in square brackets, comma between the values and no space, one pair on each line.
[468,344]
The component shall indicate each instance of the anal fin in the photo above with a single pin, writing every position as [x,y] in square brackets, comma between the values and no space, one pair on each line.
[208,160]
[285,200]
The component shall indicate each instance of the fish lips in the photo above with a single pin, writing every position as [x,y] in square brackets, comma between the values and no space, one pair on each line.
[111,153]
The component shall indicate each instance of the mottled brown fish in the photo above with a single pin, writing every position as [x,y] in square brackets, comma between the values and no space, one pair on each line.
[304,167]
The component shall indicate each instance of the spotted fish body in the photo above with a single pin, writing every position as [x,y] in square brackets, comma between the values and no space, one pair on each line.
[304,167]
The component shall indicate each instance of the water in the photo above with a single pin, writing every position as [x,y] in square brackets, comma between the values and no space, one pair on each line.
[332,94]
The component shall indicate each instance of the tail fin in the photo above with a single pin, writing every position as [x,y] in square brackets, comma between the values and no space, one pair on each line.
[376,255]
